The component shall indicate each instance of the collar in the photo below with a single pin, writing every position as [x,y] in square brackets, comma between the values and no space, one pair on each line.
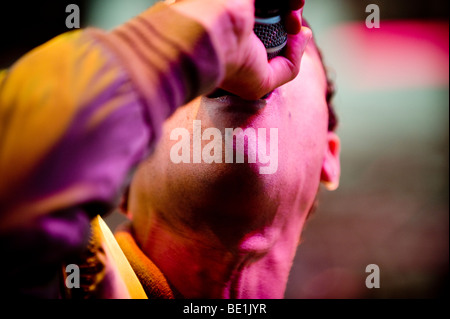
[151,278]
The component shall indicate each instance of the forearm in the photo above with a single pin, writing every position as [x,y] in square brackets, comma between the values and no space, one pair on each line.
[166,48]
[80,112]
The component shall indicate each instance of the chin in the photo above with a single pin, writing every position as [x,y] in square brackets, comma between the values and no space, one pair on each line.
[226,199]
[204,190]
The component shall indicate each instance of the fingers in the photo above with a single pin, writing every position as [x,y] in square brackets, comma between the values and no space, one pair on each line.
[261,77]
[293,21]
[285,68]
[295,5]
[248,73]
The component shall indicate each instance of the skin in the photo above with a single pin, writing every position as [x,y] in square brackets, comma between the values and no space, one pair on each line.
[233,230]
[224,230]
[229,24]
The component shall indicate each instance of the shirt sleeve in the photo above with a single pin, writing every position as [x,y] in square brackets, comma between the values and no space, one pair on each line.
[79,113]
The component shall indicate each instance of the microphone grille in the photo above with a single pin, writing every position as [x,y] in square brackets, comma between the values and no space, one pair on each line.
[272,34]
[269,27]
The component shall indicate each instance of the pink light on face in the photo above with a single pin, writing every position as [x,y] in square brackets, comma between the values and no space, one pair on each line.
[399,55]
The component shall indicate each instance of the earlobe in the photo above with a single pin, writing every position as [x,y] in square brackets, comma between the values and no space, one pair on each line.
[331,167]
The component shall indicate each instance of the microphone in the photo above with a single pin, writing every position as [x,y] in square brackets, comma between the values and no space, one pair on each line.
[269,26]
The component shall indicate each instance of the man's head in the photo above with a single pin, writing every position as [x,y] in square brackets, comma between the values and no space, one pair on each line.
[232,203]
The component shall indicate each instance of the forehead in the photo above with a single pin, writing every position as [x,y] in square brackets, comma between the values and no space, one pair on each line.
[306,96]
[312,80]
[313,57]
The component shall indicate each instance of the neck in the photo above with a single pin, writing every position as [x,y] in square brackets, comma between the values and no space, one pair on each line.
[198,264]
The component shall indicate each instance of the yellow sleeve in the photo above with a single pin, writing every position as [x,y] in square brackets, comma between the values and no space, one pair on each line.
[80,112]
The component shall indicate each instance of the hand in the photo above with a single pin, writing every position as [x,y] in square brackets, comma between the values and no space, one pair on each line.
[247,72]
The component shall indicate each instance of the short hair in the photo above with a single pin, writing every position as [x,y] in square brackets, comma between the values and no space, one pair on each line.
[330,93]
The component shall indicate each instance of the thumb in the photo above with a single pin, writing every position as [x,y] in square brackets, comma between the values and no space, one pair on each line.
[283,69]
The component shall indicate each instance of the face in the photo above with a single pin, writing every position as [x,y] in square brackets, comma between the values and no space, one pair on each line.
[245,196]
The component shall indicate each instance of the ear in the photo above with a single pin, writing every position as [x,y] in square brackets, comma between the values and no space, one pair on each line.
[331,167]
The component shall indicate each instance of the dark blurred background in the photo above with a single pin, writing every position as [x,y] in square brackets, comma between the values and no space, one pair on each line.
[392,208]
[27,24]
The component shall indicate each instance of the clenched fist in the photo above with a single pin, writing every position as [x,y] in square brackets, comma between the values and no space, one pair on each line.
[243,58]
